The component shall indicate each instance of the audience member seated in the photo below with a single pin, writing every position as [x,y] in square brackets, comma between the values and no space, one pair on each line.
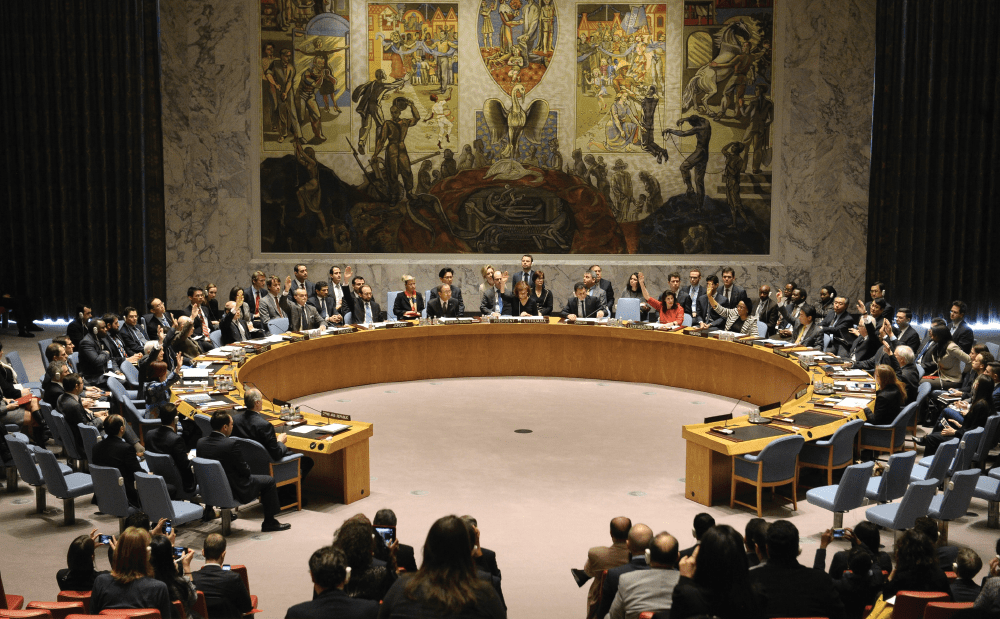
[301,315]
[133,333]
[916,566]
[960,331]
[26,415]
[592,281]
[792,589]
[326,306]
[652,589]
[95,358]
[521,303]
[736,319]
[980,409]
[114,452]
[943,368]
[808,332]
[80,573]
[447,277]
[967,565]
[715,581]
[946,554]
[330,574]
[114,343]
[864,535]
[789,305]
[405,558]
[702,522]
[174,573]
[671,312]
[70,404]
[860,586]
[487,273]
[988,601]
[485,558]
[158,320]
[274,304]
[542,295]
[478,555]
[838,324]
[938,409]
[251,425]
[367,308]
[765,310]
[901,362]
[446,585]
[246,315]
[245,486]
[632,290]
[77,328]
[179,340]
[369,581]
[130,583]
[826,296]
[52,383]
[580,305]
[755,540]
[890,393]
[225,594]
[157,389]
[600,558]
[202,323]
[163,439]
[442,305]
[906,334]
[409,304]
[640,537]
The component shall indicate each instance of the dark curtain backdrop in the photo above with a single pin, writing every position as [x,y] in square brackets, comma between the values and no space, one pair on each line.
[933,221]
[82,154]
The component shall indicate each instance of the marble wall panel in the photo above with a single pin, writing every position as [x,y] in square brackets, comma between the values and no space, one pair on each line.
[824,69]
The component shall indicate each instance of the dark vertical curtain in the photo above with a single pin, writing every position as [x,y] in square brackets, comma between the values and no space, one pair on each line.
[933,217]
[82,154]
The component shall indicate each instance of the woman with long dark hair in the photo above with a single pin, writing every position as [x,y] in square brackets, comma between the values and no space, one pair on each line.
[541,294]
[179,588]
[447,584]
[633,290]
[946,359]
[130,583]
[79,573]
[368,581]
[979,411]
[715,580]
[916,567]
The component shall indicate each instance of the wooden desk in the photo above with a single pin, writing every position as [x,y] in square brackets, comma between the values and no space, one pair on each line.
[292,370]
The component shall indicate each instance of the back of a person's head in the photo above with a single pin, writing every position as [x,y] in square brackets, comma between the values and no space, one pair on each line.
[702,522]
[620,527]
[328,567]
[354,538]
[782,541]
[131,560]
[721,563]
[80,556]
[968,563]
[384,517]
[755,534]
[640,536]
[220,420]
[161,557]
[138,520]
[663,550]
[928,526]
[859,560]
[867,533]
[215,545]
[914,549]
[447,579]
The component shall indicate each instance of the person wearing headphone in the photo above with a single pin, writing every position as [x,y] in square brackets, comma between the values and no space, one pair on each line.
[652,589]
[330,573]
[95,358]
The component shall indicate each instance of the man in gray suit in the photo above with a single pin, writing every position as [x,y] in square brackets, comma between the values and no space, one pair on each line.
[652,589]
[492,302]
[275,303]
[590,282]
[301,315]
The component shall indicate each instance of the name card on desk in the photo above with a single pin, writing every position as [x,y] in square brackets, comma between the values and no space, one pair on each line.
[332,415]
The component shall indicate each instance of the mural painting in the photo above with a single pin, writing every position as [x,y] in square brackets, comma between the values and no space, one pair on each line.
[641,172]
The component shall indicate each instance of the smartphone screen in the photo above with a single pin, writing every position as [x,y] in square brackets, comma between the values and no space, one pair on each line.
[167,527]
[179,551]
[227,567]
[104,539]
[388,534]
[838,533]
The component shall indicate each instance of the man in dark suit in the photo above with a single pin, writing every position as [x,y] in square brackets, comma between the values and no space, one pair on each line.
[225,594]
[703,309]
[867,343]
[328,569]
[70,404]
[900,360]
[325,306]
[878,292]
[808,333]
[244,485]
[114,343]
[789,312]
[198,313]
[300,281]
[163,439]
[234,325]
[605,285]
[526,274]
[78,328]
[254,293]
[405,557]
[927,344]
[251,425]
[640,537]
[731,293]
[133,334]
[447,276]
[905,334]
[114,452]
[674,283]
[838,323]
[766,310]
[702,523]
[95,358]
[442,305]
[366,309]
[157,317]
[301,315]
[792,589]
[580,305]
[961,332]
[691,294]
[340,292]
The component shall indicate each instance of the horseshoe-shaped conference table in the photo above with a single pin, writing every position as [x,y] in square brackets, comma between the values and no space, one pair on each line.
[291,370]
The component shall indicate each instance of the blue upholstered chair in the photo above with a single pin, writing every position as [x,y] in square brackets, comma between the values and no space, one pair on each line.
[390,300]
[120,394]
[42,345]
[131,376]
[994,349]
[902,515]
[988,489]
[940,462]
[204,423]
[954,503]
[29,470]
[73,452]
[216,337]
[65,487]
[827,340]
[988,440]
[894,480]
[761,328]
[888,438]
[628,309]
[774,466]
[90,436]
[137,417]
[277,326]
[847,495]
[834,453]
[286,471]
[163,465]
[157,504]
[348,318]
[688,321]
[923,391]
[215,490]
[110,493]
[14,359]
[46,412]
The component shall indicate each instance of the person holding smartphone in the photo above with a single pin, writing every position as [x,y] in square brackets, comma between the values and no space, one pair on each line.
[174,572]
[80,573]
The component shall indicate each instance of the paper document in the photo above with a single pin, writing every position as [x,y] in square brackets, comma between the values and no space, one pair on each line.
[195,372]
[196,397]
[855,402]
[101,405]
[853,373]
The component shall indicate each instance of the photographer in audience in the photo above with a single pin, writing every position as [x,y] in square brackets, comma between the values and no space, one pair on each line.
[180,588]
[330,574]
[130,583]
[369,581]
[80,573]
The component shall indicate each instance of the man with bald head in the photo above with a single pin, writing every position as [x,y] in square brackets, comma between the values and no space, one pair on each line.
[600,558]
[652,589]
[301,315]
[766,309]
[640,537]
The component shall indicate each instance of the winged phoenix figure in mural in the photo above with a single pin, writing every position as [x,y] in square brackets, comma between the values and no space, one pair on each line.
[514,122]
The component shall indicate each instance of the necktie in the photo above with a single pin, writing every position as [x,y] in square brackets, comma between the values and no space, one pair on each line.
[322,309]
[204,325]
[801,333]
[277,305]
[444,307]
[727,295]
[580,309]
[121,349]
[499,302]
[243,333]
[368,313]
[256,301]
[139,334]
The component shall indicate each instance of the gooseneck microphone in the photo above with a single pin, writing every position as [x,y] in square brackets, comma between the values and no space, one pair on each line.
[745,397]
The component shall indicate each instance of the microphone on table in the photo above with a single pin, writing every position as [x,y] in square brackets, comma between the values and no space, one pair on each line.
[782,403]
[747,397]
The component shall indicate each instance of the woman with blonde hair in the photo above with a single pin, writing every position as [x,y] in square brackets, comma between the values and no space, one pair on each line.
[487,273]
[131,583]
[410,303]
[890,393]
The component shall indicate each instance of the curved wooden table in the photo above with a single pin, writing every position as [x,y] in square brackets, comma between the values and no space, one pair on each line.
[730,369]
